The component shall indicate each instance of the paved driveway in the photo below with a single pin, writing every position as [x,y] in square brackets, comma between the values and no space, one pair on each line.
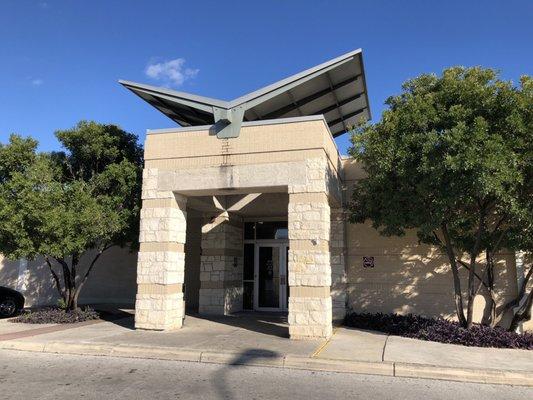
[263,339]
[45,376]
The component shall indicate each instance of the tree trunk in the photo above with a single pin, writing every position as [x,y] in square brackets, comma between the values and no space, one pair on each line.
[516,302]
[56,279]
[84,279]
[523,313]
[458,296]
[471,293]
[490,285]
[67,283]
[74,268]
[472,271]
[71,286]
[71,304]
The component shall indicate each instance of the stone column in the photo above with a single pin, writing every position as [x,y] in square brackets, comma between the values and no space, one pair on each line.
[221,266]
[310,307]
[337,260]
[161,261]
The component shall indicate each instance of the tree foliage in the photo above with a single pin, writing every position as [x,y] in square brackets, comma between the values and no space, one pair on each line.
[452,158]
[63,205]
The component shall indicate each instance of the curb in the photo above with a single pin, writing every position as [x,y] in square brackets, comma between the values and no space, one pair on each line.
[258,358]
[490,376]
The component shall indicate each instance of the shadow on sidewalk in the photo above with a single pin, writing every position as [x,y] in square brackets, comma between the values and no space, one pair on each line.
[118,315]
[272,324]
[246,357]
[268,324]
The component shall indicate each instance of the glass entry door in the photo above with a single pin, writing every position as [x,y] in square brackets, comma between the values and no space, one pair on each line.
[270,277]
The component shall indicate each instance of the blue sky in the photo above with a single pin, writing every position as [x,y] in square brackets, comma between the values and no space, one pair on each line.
[60,60]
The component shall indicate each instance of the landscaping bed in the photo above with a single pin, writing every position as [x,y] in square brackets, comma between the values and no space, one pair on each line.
[440,330]
[56,315]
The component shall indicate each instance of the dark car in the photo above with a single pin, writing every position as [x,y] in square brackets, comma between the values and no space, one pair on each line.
[11,302]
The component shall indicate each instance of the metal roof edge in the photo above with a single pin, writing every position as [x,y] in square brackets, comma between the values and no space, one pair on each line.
[174,93]
[247,123]
[276,85]
[364,85]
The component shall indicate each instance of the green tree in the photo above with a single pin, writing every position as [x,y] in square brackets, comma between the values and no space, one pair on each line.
[69,204]
[452,159]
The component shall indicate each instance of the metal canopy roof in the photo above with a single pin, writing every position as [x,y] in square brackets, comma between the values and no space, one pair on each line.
[335,89]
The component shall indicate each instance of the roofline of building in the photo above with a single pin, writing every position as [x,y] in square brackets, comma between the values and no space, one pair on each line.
[174,93]
[290,120]
[262,122]
[247,97]
[284,82]
[195,110]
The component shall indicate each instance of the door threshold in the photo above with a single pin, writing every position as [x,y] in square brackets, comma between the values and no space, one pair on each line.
[259,313]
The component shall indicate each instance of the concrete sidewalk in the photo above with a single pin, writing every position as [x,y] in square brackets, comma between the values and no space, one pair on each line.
[263,340]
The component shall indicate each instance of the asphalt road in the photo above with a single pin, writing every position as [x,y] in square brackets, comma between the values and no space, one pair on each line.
[25,375]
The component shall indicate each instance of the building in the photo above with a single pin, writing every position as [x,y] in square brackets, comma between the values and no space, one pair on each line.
[244,209]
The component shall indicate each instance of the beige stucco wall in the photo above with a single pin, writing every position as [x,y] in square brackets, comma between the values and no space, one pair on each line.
[111,281]
[36,285]
[256,144]
[408,277]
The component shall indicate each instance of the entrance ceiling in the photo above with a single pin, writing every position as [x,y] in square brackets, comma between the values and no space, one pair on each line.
[253,205]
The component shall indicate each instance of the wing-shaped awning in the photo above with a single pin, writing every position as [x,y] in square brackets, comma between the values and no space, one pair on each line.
[335,89]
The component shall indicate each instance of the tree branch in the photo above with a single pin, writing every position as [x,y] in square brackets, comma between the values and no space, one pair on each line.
[499,223]
[498,242]
[524,313]
[465,265]
[74,263]
[56,278]
[84,279]
[437,238]
[516,300]
[456,280]
[66,279]
[66,271]
[471,272]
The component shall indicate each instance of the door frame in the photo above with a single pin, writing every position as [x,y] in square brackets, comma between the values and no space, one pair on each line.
[282,245]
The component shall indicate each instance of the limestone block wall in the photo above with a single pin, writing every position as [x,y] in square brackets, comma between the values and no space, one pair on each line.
[310,272]
[298,157]
[221,266]
[310,305]
[161,261]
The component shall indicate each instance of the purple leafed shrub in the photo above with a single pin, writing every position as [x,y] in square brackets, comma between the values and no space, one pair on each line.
[440,330]
[55,315]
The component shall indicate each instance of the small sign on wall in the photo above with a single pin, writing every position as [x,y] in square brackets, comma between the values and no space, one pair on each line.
[368,262]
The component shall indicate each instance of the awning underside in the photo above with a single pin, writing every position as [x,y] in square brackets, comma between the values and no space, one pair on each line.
[338,94]
[180,113]
[335,89]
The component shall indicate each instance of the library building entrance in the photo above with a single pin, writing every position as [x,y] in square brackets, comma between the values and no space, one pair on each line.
[266,248]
